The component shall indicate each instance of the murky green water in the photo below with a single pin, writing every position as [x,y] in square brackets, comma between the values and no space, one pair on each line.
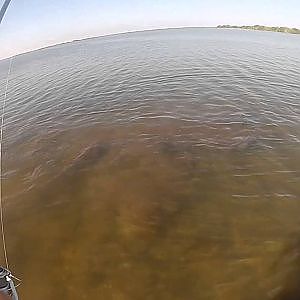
[126,179]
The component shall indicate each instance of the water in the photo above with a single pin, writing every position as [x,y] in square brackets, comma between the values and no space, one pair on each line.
[155,165]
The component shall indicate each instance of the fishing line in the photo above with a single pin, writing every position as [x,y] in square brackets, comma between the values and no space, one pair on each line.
[7,285]
[1,155]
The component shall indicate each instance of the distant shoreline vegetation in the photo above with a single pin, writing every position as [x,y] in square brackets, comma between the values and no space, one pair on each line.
[264,28]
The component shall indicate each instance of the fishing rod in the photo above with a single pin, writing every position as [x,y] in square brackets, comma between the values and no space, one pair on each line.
[3,9]
[7,285]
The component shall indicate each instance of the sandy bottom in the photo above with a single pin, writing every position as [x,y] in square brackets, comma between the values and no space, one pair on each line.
[159,213]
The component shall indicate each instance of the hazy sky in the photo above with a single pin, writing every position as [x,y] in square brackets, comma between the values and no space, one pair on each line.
[31,24]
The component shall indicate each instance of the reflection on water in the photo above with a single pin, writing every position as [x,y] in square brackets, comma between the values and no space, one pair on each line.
[166,174]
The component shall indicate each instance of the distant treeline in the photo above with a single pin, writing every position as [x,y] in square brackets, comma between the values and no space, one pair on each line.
[264,28]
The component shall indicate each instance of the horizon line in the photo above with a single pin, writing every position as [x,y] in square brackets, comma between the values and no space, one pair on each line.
[114,34]
[104,35]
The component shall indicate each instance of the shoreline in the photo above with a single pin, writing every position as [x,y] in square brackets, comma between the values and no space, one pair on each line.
[262,28]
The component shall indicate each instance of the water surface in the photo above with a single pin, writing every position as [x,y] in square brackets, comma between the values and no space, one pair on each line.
[155,165]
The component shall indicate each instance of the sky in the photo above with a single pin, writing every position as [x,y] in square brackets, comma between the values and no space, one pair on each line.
[32,24]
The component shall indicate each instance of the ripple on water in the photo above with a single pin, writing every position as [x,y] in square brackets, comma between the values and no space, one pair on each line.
[156,165]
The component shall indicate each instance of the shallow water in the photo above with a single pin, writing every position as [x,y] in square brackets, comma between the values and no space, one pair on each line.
[155,165]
